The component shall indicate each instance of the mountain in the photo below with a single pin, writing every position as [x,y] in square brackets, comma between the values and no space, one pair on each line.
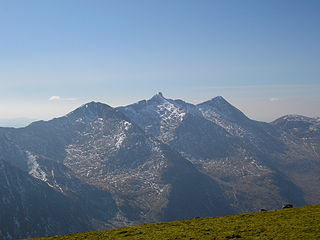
[180,125]
[160,159]
[249,158]
[112,172]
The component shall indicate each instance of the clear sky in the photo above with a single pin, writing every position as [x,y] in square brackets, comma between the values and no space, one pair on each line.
[262,56]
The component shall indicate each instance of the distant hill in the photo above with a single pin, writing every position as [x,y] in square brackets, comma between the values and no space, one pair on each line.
[295,223]
[15,122]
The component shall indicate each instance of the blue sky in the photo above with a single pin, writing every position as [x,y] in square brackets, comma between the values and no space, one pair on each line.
[262,56]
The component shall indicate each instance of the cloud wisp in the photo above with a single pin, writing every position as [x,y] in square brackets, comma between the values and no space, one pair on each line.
[58,98]
[274,99]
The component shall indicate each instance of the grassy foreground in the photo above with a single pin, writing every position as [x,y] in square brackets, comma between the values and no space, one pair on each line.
[295,223]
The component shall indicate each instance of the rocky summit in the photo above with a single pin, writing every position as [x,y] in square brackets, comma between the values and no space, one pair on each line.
[160,159]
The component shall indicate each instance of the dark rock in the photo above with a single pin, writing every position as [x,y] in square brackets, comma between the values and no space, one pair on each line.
[287,206]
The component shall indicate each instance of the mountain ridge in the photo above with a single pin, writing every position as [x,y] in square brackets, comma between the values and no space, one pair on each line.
[162,159]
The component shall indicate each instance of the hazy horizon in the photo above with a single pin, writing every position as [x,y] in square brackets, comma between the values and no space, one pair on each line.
[24,121]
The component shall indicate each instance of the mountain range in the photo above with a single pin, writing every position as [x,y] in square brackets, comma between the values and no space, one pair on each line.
[160,159]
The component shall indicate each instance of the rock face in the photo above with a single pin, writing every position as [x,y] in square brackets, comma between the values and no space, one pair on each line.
[157,160]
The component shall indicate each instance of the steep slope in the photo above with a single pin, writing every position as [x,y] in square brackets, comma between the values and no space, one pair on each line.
[264,145]
[258,134]
[30,208]
[302,159]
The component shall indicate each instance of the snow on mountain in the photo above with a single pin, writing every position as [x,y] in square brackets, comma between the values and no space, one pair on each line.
[221,142]
[155,160]
[299,126]
[100,159]
[34,168]
[219,111]
[30,208]
[164,112]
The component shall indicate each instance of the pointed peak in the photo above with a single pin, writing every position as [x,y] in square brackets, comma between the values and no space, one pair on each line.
[160,94]
[219,99]
[222,107]
[158,97]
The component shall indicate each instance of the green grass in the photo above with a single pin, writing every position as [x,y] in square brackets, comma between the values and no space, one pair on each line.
[287,224]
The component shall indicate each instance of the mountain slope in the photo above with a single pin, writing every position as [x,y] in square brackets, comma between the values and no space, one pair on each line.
[295,223]
[30,208]
[302,159]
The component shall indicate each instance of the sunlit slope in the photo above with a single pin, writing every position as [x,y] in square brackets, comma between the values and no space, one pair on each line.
[295,223]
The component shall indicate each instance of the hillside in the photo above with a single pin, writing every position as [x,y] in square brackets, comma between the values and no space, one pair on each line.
[294,223]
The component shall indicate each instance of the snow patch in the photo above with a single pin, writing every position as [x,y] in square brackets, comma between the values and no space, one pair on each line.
[171,116]
[34,168]
[121,136]
[36,171]
[120,140]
